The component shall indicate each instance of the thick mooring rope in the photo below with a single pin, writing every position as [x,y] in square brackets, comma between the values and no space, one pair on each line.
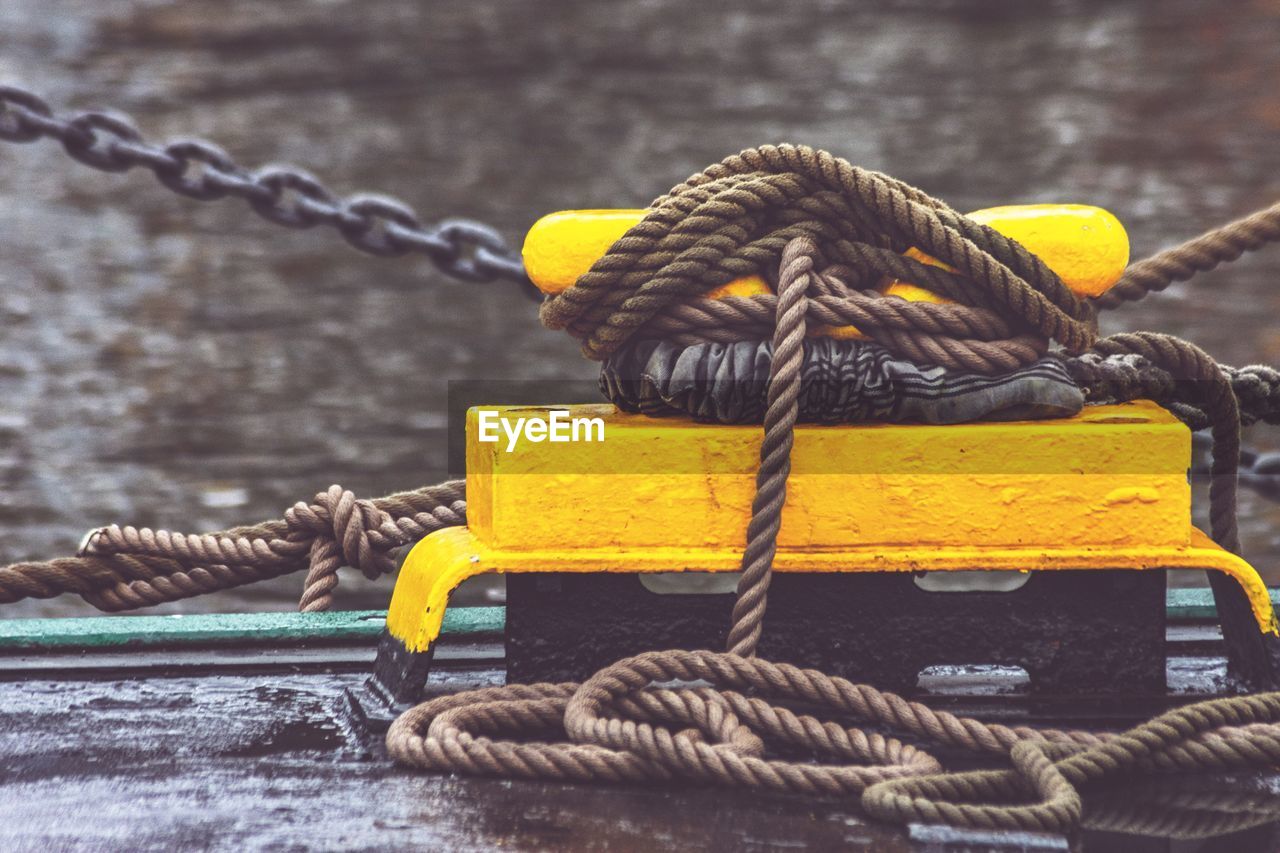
[622,728]
[1209,250]
[734,219]
[122,568]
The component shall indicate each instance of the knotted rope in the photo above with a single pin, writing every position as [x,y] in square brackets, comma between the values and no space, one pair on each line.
[121,568]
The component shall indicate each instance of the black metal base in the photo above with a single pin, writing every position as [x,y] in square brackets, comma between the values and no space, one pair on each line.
[397,684]
[1253,658]
[1076,632]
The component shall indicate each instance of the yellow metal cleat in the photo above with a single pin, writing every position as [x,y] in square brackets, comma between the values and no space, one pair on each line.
[1104,490]
[1086,246]
[620,539]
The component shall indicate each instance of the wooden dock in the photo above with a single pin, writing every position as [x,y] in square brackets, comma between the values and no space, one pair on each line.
[231,732]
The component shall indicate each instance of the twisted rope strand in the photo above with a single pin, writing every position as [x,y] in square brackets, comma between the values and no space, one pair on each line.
[733,218]
[123,568]
[1201,254]
[783,408]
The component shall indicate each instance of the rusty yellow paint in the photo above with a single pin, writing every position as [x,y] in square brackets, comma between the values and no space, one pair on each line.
[1113,476]
[441,561]
[1086,246]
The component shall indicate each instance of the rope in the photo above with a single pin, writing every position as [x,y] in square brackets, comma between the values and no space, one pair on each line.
[735,218]
[964,338]
[124,568]
[1201,254]
[620,725]
[775,450]
[613,721]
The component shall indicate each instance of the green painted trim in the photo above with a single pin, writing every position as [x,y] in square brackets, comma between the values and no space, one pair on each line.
[1193,603]
[1197,603]
[204,628]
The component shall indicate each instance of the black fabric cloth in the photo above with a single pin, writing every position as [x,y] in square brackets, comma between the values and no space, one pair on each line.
[843,381]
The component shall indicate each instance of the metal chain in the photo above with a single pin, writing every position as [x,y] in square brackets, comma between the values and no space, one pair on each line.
[461,248]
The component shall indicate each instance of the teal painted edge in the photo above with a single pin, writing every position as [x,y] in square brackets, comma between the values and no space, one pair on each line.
[203,628]
[195,629]
[1197,603]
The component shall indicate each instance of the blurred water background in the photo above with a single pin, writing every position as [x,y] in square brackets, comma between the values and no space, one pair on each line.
[189,366]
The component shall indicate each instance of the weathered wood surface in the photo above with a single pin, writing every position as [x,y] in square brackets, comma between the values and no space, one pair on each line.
[250,747]
[223,762]
[234,762]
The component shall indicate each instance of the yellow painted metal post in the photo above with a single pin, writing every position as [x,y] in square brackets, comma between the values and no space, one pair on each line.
[1106,489]
[1086,246]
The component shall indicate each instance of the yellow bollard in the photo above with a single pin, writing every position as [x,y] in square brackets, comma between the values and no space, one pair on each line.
[1106,489]
[1086,246]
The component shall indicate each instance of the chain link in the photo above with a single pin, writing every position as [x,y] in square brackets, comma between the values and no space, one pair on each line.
[379,225]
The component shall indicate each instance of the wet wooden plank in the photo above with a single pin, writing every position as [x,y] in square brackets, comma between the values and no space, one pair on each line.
[245,742]
[237,747]
[235,762]
[166,752]
[229,762]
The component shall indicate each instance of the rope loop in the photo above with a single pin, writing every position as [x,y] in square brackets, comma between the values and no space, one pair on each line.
[736,217]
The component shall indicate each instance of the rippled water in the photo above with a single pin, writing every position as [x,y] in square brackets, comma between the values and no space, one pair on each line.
[188,366]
